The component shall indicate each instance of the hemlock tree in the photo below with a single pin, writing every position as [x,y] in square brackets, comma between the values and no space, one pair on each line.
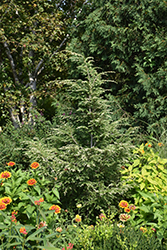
[90,147]
[129,37]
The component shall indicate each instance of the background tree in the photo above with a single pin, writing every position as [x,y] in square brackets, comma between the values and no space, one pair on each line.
[129,37]
[31,34]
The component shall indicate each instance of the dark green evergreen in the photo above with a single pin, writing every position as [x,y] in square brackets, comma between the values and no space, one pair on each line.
[129,37]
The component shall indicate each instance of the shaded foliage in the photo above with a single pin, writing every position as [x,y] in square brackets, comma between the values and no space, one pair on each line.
[130,38]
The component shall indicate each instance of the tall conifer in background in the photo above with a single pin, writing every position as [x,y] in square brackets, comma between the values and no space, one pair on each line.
[129,37]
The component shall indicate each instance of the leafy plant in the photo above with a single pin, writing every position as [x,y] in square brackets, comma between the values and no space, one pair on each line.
[148,175]
[107,233]
[27,199]
[148,172]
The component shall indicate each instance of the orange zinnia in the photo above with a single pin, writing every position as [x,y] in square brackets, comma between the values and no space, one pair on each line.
[2,206]
[11,163]
[31,182]
[56,208]
[6,200]
[123,204]
[5,175]
[34,165]
[127,209]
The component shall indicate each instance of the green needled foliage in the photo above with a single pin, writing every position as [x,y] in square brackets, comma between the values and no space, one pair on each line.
[129,37]
[90,147]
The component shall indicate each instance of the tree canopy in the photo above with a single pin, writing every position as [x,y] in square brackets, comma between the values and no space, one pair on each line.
[129,37]
[31,34]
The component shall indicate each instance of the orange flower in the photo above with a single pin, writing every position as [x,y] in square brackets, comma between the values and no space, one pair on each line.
[5,175]
[11,163]
[14,212]
[13,217]
[6,200]
[39,201]
[31,182]
[148,145]
[56,208]
[2,206]
[127,209]
[160,144]
[78,218]
[34,165]
[23,230]
[123,204]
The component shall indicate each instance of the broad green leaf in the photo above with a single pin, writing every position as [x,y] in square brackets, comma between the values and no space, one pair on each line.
[136,162]
[37,188]
[2,226]
[145,209]
[55,191]
[151,180]
[142,185]
[144,171]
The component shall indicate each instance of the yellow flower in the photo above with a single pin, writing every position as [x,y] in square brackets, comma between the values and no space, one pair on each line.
[5,175]
[143,229]
[78,218]
[56,208]
[79,205]
[123,204]
[6,200]
[2,206]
